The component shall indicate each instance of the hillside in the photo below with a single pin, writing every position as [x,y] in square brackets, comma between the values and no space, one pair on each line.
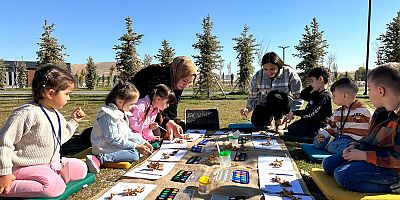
[102,68]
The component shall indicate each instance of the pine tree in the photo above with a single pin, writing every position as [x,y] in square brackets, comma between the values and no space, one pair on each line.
[3,71]
[209,57]
[49,49]
[166,54]
[389,51]
[91,74]
[311,49]
[111,76]
[22,74]
[246,47]
[147,60]
[128,60]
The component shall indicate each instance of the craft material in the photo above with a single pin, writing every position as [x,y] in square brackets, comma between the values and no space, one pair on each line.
[241,176]
[204,181]
[167,193]
[181,176]
[225,158]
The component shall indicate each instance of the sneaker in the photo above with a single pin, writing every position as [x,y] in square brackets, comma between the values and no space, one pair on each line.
[93,164]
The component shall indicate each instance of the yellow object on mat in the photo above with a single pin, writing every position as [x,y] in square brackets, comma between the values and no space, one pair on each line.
[117,165]
[333,191]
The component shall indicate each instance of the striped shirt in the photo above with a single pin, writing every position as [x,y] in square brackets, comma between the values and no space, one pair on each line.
[353,122]
[287,81]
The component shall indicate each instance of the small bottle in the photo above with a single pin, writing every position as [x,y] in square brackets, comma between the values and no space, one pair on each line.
[204,181]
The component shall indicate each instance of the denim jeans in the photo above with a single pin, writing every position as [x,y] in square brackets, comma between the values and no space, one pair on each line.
[339,144]
[360,176]
[120,156]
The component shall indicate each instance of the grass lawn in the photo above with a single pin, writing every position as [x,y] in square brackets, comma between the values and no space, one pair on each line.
[228,112]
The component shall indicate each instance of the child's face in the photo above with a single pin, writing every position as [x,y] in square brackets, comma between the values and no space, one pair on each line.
[126,105]
[317,83]
[374,94]
[339,97]
[58,99]
[160,103]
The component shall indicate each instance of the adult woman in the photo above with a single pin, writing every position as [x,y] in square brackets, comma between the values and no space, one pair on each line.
[274,91]
[177,75]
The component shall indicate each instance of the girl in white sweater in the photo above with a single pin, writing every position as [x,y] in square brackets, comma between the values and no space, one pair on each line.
[31,139]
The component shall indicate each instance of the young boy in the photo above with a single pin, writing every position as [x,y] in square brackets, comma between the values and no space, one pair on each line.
[318,109]
[373,164]
[349,123]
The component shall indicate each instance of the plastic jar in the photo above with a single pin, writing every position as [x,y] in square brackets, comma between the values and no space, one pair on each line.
[204,181]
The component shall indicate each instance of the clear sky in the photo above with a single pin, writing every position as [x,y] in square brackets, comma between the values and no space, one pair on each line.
[92,27]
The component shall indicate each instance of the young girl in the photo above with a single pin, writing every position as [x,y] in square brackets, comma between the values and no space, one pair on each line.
[146,110]
[31,139]
[112,139]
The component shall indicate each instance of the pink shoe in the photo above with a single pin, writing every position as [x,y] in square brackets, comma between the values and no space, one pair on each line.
[93,164]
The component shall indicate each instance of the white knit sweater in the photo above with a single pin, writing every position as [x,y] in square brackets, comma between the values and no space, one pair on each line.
[27,138]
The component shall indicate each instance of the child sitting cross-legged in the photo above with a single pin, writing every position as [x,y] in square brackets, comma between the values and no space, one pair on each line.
[112,139]
[373,164]
[349,123]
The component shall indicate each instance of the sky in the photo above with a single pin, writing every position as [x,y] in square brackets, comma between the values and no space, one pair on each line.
[92,27]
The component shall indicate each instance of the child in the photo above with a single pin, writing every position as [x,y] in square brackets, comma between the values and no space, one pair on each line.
[112,139]
[349,123]
[31,139]
[318,109]
[373,164]
[147,109]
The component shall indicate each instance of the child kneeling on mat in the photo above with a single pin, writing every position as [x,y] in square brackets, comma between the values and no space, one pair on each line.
[112,139]
[30,141]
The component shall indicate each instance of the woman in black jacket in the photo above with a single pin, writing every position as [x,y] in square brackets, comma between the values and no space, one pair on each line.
[177,75]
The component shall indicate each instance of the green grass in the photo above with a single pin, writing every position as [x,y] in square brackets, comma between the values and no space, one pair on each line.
[228,112]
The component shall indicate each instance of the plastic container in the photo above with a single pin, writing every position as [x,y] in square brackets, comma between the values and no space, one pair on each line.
[233,140]
[204,181]
[225,158]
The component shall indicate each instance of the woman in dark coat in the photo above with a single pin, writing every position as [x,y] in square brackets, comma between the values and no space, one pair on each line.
[177,75]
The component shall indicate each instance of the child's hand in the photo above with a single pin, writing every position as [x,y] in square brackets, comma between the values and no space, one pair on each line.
[147,144]
[355,154]
[5,183]
[78,114]
[320,138]
[143,149]
[347,149]
[153,126]
[289,117]
[174,129]
[157,138]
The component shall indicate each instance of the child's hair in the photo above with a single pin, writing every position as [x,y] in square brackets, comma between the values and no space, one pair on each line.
[50,77]
[387,75]
[273,58]
[346,85]
[123,90]
[317,72]
[162,91]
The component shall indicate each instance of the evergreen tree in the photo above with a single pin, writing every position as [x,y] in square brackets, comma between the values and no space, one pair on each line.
[311,49]
[390,48]
[49,49]
[147,60]
[209,57]
[128,60]
[166,54]
[21,74]
[3,71]
[246,47]
[82,77]
[90,74]
[335,72]
[111,76]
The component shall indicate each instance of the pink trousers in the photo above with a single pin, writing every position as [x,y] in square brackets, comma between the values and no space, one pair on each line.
[46,180]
